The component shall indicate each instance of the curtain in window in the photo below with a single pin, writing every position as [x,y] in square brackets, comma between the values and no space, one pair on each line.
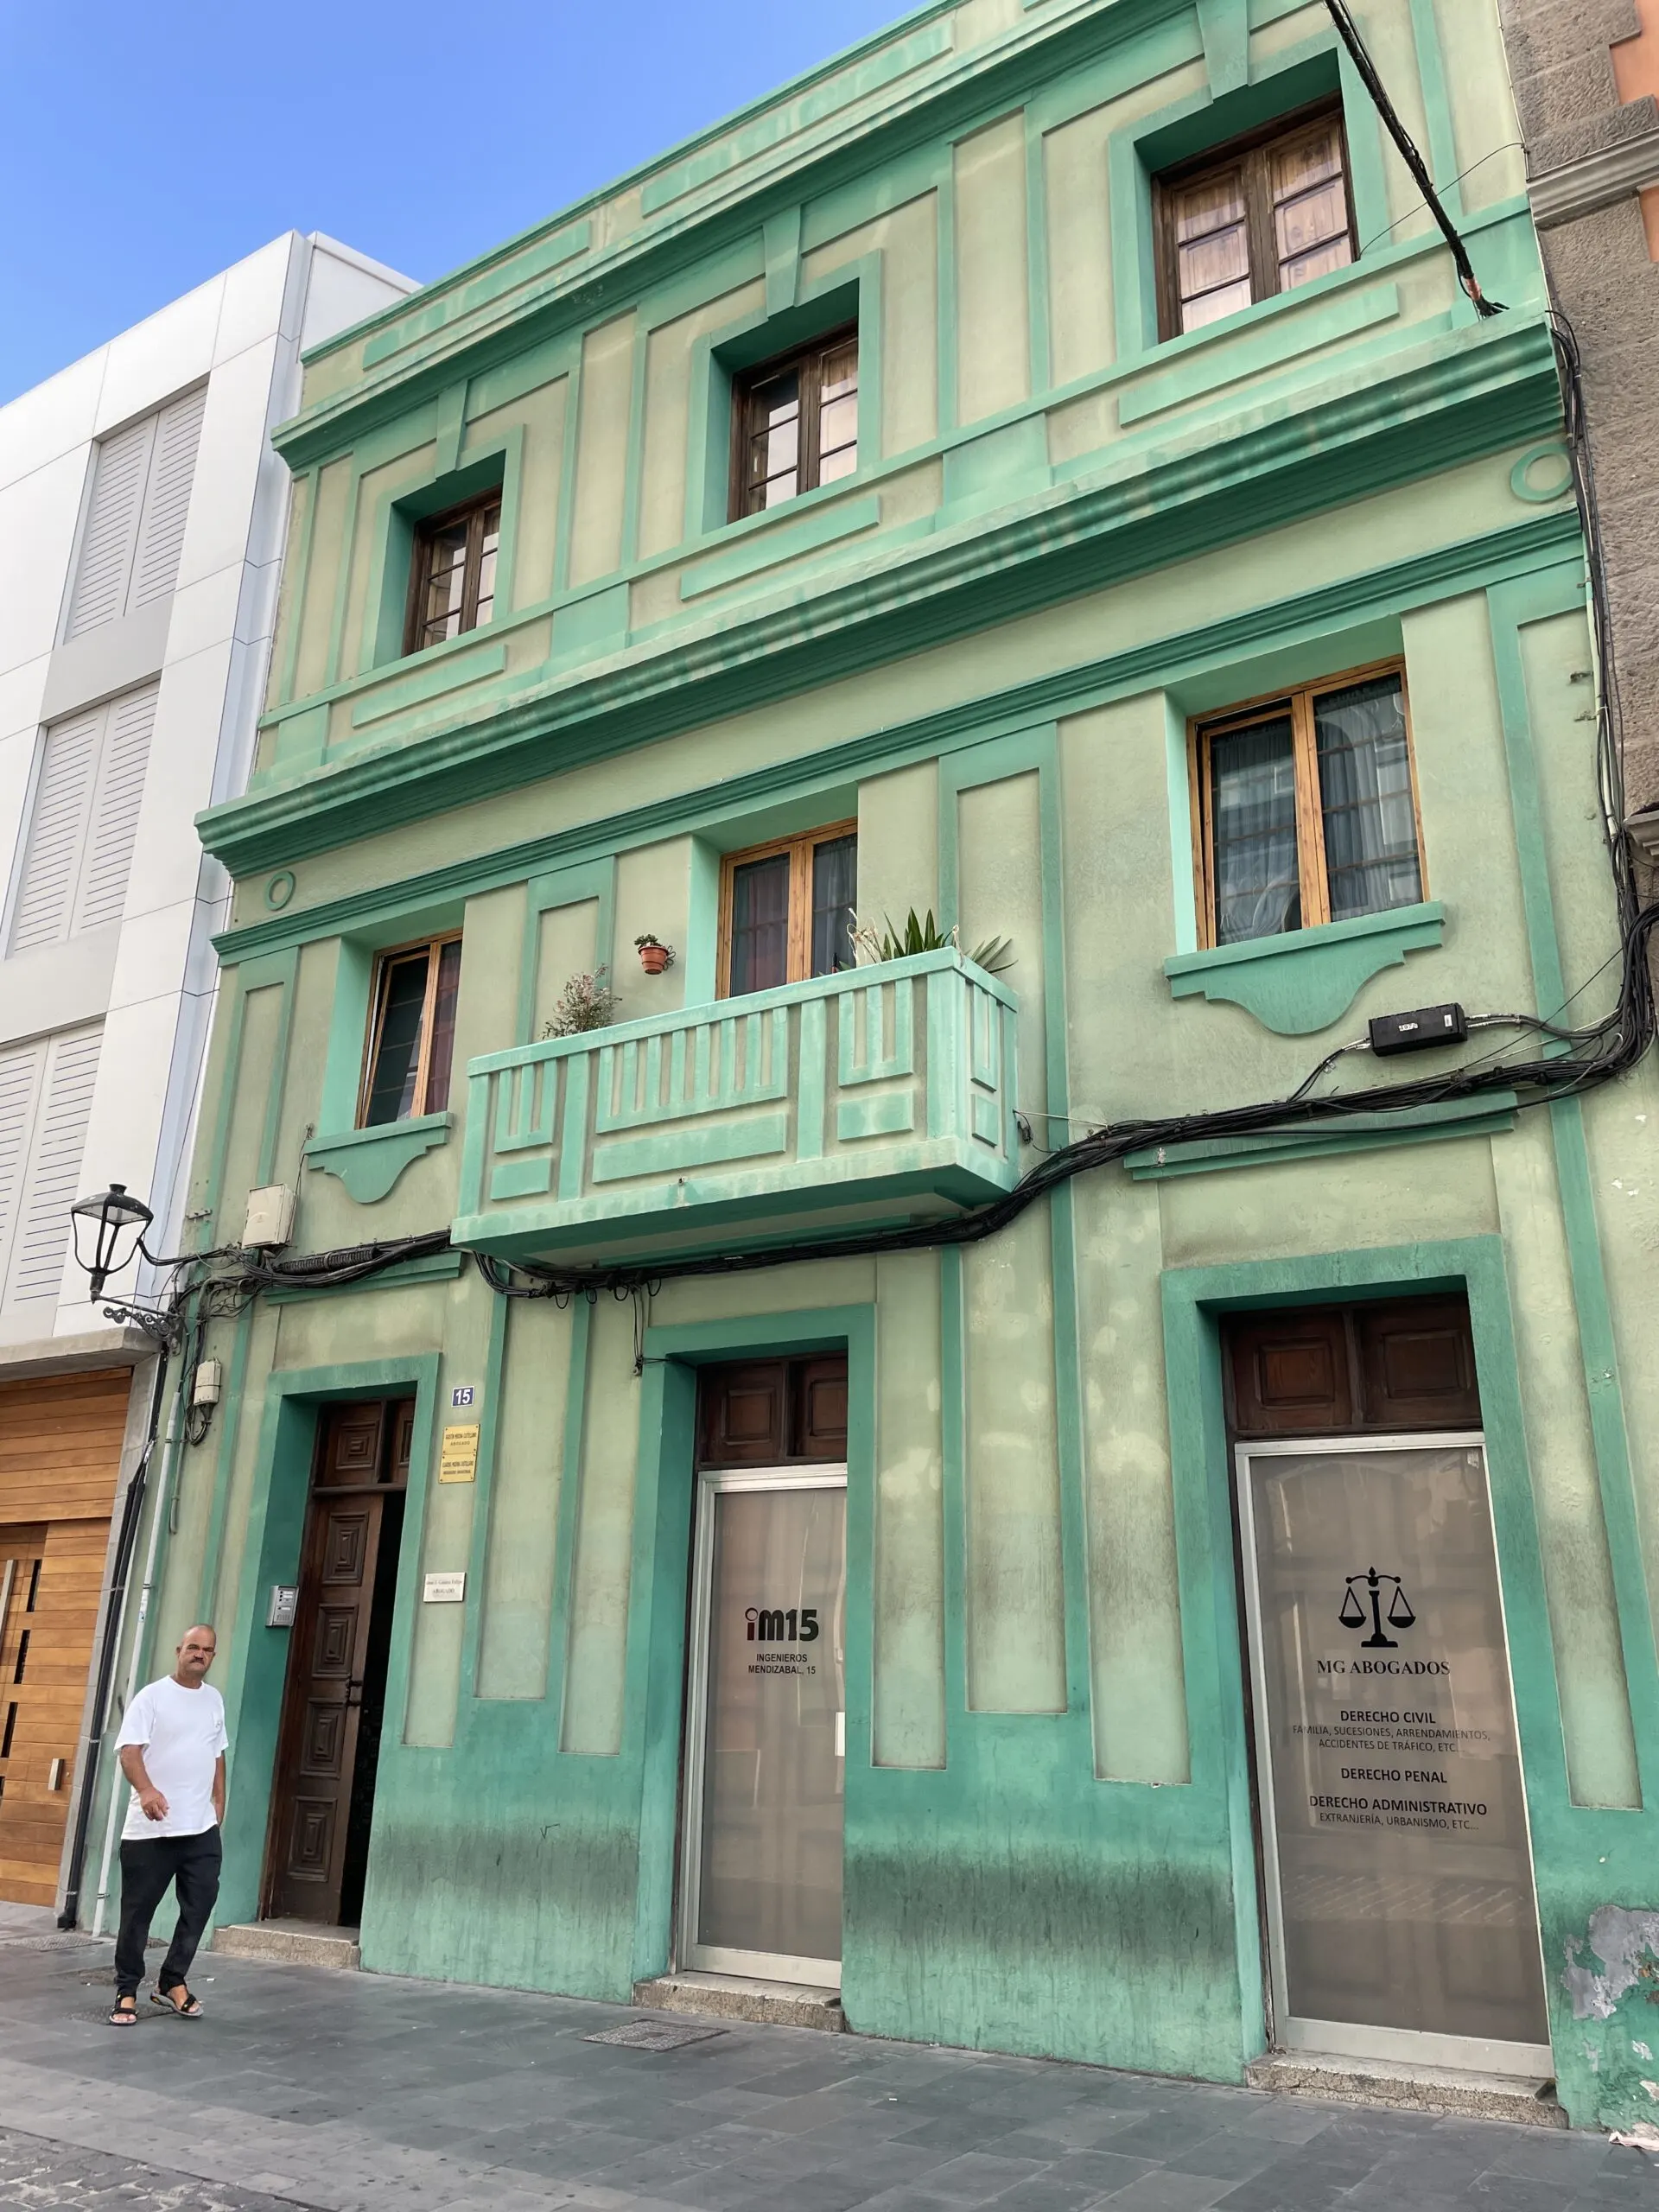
[834,887]
[1253,811]
[1370,826]
[443,1027]
[760,925]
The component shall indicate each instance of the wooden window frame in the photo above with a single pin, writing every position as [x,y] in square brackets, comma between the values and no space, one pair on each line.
[798,957]
[1251,151]
[1313,872]
[384,964]
[420,567]
[746,382]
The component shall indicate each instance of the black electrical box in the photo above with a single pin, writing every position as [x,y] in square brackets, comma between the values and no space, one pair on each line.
[1416,1031]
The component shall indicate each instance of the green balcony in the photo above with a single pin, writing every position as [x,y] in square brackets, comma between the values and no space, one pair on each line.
[884,1094]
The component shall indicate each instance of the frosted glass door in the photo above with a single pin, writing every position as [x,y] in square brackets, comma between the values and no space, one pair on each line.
[1404,1915]
[767,1841]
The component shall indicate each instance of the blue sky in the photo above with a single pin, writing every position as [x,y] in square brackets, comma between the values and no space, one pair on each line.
[143,147]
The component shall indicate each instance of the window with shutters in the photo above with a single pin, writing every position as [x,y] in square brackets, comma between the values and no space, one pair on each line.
[1270,213]
[795,425]
[452,575]
[46,1100]
[81,827]
[134,530]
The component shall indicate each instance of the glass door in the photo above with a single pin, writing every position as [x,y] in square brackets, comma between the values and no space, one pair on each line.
[1402,1917]
[760,1868]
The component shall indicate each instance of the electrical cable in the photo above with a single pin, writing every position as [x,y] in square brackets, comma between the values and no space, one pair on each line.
[1509,146]
[1348,33]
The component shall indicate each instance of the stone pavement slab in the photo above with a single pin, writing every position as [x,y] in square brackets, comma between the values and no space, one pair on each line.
[358,2093]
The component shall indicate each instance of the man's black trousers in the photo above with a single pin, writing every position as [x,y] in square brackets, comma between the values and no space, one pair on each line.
[148,1864]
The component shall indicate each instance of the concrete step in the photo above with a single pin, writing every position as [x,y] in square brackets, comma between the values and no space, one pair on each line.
[1423,2089]
[290,1943]
[733,1997]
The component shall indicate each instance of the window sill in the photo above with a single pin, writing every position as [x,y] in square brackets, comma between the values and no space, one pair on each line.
[1306,979]
[369,1161]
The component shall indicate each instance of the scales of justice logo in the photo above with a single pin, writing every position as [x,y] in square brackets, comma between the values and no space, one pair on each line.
[1366,1598]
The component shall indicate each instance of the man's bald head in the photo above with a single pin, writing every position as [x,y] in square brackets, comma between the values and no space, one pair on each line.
[195,1654]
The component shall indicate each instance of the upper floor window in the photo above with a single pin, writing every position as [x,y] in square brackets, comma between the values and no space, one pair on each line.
[1269,213]
[411,1033]
[1307,809]
[795,425]
[452,579]
[786,910]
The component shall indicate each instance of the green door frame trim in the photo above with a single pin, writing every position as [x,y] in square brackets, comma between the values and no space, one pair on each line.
[661,1566]
[254,1680]
[1580,1855]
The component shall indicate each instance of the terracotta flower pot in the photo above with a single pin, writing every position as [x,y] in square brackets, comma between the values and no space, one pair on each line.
[653,958]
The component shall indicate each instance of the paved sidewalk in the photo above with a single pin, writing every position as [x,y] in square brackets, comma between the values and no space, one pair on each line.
[357,2093]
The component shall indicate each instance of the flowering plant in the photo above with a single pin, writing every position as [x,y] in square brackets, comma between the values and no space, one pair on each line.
[586,1003]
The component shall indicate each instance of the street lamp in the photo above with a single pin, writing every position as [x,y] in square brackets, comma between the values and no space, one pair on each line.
[103,1221]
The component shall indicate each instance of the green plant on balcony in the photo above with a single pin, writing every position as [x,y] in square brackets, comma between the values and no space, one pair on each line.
[925,935]
[586,1003]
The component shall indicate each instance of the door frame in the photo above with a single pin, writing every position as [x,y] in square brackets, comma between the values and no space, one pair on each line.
[255,1677]
[286,1743]
[1289,2032]
[705,1958]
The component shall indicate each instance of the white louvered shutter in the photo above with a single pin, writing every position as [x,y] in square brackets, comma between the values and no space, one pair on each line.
[21,1068]
[112,533]
[107,860]
[52,1167]
[167,499]
[57,830]
[134,523]
[80,832]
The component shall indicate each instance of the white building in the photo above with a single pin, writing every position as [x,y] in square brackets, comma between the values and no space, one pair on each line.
[142,519]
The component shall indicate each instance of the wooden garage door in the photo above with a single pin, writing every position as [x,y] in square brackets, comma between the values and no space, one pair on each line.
[59,1454]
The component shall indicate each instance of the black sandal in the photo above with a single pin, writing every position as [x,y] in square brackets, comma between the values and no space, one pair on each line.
[192,2009]
[125,2013]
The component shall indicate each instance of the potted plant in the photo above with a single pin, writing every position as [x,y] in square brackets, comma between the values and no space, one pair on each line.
[918,935]
[586,1003]
[654,957]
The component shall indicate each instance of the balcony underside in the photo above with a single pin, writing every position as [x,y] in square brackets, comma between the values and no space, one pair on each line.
[705,1213]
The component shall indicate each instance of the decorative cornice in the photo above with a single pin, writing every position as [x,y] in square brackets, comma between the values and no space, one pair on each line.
[807,165]
[1488,386]
[1464,565]
[1595,181]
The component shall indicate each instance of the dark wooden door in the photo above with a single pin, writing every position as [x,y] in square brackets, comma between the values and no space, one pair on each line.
[337,1663]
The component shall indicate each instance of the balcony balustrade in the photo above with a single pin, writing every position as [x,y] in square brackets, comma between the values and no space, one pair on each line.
[881,1093]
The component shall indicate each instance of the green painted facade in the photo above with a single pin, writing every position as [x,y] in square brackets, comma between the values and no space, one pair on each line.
[1064,540]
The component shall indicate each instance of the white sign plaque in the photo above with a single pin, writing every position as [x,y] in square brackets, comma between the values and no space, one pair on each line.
[443,1590]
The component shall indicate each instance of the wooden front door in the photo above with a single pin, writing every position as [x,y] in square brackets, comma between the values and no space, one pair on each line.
[59,1455]
[323,1802]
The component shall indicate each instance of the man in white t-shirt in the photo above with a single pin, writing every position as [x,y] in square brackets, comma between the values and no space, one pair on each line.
[172,1748]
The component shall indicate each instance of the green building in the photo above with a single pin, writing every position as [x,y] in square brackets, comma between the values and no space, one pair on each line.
[1040,470]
